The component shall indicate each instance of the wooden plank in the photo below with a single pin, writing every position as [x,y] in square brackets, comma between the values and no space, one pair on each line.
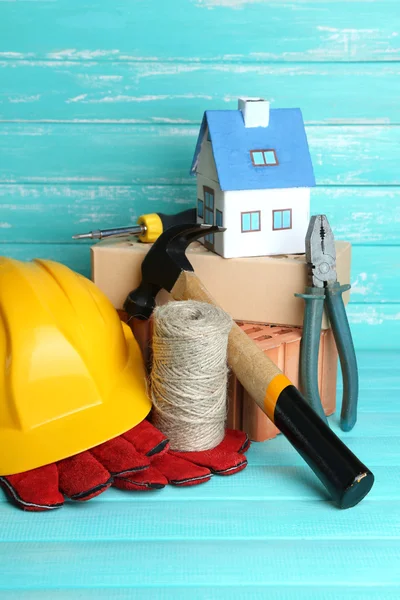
[205,592]
[295,482]
[379,450]
[378,446]
[75,256]
[361,215]
[384,320]
[147,92]
[375,361]
[152,155]
[373,274]
[300,30]
[267,532]
[203,521]
[375,326]
[142,564]
[379,379]
[78,208]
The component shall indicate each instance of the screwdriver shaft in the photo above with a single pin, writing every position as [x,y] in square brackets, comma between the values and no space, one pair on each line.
[99,234]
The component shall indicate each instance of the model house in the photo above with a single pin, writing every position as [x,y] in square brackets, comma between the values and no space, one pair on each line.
[254,174]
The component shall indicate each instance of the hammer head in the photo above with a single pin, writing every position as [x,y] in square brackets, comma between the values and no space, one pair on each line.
[163,264]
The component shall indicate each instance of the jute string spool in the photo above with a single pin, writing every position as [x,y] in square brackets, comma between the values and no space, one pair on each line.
[189,374]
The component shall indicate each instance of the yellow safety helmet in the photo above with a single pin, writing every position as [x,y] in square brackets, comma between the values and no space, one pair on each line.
[71,374]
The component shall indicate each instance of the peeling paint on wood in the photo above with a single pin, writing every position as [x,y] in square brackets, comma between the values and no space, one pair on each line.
[299,30]
[375,327]
[74,256]
[119,154]
[371,274]
[234,521]
[100,104]
[205,562]
[161,92]
[361,215]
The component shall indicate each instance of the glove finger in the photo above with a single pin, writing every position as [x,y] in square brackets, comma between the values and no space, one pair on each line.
[147,439]
[35,490]
[179,471]
[120,457]
[219,461]
[150,479]
[235,441]
[82,477]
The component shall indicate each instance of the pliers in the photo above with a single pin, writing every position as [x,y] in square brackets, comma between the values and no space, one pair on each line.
[323,285]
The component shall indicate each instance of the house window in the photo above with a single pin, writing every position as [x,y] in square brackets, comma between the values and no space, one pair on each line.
[264,158]
[209,212]
[200,208]
[251,221]
[282,219]
[218,218]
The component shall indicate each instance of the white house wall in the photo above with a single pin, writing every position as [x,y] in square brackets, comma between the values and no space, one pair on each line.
[219,204]
[267,241]
[233,242]
[206,164]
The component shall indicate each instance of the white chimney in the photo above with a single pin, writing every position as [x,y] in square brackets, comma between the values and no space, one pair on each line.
[255,111]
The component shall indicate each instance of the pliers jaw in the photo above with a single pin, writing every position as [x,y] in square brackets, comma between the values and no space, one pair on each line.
[320,252]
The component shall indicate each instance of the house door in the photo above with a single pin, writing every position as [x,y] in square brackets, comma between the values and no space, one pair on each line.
[209,205]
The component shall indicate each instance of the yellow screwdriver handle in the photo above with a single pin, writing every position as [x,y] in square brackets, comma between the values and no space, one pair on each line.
[153,228]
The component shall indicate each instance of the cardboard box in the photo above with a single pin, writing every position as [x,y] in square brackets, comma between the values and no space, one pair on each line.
[282,346]
[259,289]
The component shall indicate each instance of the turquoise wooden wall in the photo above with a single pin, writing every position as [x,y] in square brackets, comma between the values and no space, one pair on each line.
[100,104]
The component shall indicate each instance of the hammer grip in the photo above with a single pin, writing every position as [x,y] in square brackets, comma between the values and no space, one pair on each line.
[345,477]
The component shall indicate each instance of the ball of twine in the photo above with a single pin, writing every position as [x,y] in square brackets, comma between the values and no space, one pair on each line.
[189,374]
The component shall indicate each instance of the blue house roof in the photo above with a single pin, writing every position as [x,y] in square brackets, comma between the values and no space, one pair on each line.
[232,142]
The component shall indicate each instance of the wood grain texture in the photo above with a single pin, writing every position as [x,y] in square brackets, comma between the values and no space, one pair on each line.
[151,155]
[154,563]
[373,325]
[299,30]
[273,483]
[209,592]
[371,279]
[161,92]
[74,256]
[374,520]
[100,104]
[368,447]
[360,214]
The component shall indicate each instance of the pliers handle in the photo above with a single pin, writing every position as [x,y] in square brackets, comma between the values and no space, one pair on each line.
[314,305]
[347,355]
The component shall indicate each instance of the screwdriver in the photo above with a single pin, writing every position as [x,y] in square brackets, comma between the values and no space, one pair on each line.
[148,229]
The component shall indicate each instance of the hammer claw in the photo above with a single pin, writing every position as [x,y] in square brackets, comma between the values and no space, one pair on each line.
[163,264]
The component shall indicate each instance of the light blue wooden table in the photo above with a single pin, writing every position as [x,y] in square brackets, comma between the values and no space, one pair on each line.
[100,104]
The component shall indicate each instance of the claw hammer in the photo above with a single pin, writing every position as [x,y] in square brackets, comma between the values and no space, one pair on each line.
[166,267]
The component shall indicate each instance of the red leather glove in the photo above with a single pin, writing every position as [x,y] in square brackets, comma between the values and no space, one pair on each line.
[190,468]
[139,459]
